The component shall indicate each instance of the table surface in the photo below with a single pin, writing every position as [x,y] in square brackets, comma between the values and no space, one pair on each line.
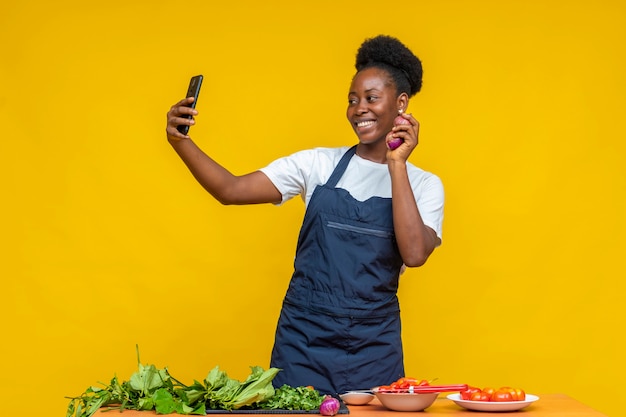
[548,405]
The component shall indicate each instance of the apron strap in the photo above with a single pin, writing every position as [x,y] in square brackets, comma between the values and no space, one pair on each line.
[341,167]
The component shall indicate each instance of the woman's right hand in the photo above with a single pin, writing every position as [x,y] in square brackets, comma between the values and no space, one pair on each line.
[175,118]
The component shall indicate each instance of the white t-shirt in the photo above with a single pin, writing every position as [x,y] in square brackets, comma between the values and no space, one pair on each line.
[301,172]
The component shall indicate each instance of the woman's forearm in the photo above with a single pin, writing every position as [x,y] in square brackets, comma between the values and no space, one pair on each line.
[213,177]
[416,241]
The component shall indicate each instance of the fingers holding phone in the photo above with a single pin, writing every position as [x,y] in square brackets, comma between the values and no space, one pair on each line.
[180,116]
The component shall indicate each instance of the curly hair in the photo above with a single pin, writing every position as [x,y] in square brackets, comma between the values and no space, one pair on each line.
[391,55]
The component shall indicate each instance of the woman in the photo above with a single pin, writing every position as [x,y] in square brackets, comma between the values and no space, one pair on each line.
[369,213]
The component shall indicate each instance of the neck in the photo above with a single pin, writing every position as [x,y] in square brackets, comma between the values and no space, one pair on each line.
[371,153]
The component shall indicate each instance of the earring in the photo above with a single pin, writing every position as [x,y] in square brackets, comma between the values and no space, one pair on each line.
[400,111]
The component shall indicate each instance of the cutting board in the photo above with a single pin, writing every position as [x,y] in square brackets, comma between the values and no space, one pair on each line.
[133,413]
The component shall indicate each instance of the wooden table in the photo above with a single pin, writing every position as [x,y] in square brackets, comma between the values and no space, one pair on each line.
[549,405]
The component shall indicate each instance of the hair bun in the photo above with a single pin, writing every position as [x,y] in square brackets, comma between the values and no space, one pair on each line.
[386,51]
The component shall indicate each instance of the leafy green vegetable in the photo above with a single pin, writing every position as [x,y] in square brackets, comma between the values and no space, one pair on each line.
[293,398]
[257,387]
[155,389]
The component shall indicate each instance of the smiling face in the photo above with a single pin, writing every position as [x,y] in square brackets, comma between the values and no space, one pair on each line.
[373,103]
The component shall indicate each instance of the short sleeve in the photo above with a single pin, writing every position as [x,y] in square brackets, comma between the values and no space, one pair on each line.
[289,174]
[429,197]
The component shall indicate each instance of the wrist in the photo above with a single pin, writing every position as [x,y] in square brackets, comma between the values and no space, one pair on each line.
[175,139]
[396,166]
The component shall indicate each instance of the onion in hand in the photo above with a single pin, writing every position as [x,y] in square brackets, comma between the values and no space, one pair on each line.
[393,143]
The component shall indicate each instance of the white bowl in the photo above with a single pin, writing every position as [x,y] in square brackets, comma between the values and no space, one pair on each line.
[397,401]
[493,406]
[356,398]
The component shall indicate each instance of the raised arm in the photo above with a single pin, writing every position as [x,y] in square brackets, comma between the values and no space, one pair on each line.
[416,241]
[252,188]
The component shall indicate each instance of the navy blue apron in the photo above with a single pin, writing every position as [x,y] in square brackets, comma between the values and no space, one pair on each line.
[339,327]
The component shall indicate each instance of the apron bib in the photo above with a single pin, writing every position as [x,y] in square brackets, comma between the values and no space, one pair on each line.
[339,327]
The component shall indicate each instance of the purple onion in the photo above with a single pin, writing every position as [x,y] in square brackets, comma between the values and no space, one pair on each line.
[330,406]
[394,143]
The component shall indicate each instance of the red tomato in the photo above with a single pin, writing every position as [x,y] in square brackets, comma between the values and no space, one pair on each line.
[480,396]
[489,391]
[518,394]
[502,395]
[467,393]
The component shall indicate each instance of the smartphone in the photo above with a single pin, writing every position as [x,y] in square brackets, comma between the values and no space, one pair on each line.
[193,91]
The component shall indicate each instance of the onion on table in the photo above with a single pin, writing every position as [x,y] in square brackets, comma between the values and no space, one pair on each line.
[330,406]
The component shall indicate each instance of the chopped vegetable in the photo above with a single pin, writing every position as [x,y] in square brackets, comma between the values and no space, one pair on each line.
[293,398]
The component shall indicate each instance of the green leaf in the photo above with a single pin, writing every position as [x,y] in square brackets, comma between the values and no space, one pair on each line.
[226,393]
[147,379]
[145,404]
[200,410]
[71,408]
[192,394]
[164,402]
[216,379]
[258,387]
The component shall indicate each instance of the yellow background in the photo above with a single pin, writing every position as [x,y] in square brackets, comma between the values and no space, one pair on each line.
[108,242]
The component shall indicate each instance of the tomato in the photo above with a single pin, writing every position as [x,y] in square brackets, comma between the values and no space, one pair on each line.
[489,391]
[521,395]
[480,396]
[517,394]
[502,395]
[467,393]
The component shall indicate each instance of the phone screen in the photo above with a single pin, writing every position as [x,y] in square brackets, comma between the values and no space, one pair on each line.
[193,91]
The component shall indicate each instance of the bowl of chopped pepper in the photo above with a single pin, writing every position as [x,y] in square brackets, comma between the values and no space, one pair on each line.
[405,401]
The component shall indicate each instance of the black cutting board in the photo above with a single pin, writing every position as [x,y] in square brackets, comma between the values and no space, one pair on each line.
[342,410]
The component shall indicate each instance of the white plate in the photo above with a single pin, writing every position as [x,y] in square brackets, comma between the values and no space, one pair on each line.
[493,405]
[357,398]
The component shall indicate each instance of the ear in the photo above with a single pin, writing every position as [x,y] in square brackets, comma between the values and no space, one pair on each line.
[402,102]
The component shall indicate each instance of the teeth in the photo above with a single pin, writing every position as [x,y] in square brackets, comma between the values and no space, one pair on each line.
[364,124]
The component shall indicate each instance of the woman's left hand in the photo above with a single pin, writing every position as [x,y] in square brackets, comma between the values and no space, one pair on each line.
[409,133]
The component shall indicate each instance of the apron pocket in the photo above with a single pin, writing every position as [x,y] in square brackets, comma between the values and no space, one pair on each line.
[359,229]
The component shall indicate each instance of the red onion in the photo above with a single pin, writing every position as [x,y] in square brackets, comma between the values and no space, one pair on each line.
[399,120]
[330,406]
[395,142]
